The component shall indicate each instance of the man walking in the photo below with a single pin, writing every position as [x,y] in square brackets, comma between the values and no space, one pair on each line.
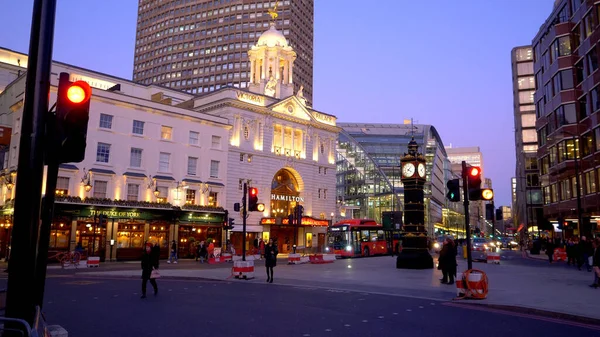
[173,254]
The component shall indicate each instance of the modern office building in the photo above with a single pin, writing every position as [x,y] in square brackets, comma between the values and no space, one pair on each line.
[528,193]
[200,46]
[472,156]
[368,170]
[567,99]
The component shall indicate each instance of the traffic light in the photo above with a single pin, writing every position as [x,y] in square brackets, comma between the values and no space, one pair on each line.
[299,212]
[489,212]
[453,190]
[72,115]
[290,219]
[499,215]
[102,221]
[230,224]
[253,204]
[236,207]
[252,199]
[474,182]
[561,223]
[487,194]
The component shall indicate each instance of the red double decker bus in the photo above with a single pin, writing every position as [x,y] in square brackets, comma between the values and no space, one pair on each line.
[362,237]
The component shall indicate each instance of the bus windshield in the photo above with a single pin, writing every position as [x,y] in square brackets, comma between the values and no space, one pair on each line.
[338,240]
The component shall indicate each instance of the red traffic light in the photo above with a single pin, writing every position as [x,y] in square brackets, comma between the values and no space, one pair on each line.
[79,92]
[253,191]
[474,171]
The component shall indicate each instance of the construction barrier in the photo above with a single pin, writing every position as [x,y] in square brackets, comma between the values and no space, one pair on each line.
[215,260]
[243,269]
[560,254]
[297,259]
[493,258]
[473,284]
[227,257]
[93,261]
[322,258]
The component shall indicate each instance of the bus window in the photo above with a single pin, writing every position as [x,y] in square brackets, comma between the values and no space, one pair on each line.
[373,236]
[364,236]
[380,235]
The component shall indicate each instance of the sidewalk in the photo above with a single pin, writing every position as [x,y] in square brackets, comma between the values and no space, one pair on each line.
[560,290]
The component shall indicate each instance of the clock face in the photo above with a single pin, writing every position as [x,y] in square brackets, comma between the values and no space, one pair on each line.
[408,170]
[421,170]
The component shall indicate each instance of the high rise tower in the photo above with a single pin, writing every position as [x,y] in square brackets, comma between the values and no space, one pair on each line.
[200,46]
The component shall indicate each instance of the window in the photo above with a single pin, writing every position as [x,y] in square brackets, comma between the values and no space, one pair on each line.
[138,128]
[214,169]
[216,142]
[566,79]
[592,61]
[579,74]
[249,158]
[526,97]
[564,46]
[133,192]
[106,121]
[595,98]
[544,165]
[527,120]
[212,199]
[62,186]
[190,197]
[163,162]
[583,110]
[163,193]
[590,182]
[166,132]
[135,158]
[100,187]
[191,166]
[566,114]
[525,68]
[529,136]
[552,155]
[532,180]
[588,27]
[597,137]
[531,163]
[587,144]
[246,133]
[571,148]
[194,138]
[526,83]
[241,157]
[103,153]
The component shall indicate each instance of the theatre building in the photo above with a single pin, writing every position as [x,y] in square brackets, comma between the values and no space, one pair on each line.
[281,146]
[157,171]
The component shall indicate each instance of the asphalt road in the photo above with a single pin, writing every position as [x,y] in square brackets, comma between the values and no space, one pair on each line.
[93,307]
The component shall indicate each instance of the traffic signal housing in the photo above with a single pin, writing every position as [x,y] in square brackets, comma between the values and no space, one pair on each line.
[474,182]
[72,116]
[453,190]
[487,194]
[230,224]
[253,204]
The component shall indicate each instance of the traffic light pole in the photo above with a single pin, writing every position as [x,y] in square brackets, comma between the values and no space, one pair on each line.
[44,241]
[244,215]
[467,217]
[20,301]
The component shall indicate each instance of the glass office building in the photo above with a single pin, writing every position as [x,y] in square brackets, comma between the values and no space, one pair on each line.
[368,170]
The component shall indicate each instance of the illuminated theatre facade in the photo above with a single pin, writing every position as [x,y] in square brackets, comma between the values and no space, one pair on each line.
[279,145]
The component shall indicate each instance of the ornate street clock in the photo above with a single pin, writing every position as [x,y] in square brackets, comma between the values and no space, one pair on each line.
[415,253]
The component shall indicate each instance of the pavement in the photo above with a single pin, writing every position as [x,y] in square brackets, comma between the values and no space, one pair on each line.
[110,306]
[517,282]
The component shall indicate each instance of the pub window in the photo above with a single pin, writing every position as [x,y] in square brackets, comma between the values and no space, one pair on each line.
[213,199]
[59,236]
[62,186]
[190,197]
[163,194]
[100,189]
[130,236]
[133,192]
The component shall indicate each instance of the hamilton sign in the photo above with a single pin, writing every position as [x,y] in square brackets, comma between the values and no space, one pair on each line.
[279,197]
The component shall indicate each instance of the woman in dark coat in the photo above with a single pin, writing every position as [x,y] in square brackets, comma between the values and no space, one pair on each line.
[149,262]
[270,259]
[447,261]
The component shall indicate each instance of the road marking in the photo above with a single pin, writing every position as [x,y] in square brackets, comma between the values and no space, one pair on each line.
[364,321]
[408,310]
[380,317]
[306,335]
[517,314]
[328,330]
[82,283]
[395,313]
[420,307]
[346,325]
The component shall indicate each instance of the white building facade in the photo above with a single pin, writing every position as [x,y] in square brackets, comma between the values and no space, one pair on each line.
[157,171]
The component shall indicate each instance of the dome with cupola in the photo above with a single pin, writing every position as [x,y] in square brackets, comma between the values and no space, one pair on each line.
[272,38]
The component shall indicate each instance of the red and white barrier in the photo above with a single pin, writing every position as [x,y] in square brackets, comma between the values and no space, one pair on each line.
[227,257]
[472,285]
[297,259]
[215,260]
[93,261]
[493,258]
[243,269]
[322,258]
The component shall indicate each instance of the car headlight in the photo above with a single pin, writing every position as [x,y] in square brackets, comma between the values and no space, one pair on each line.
[348,248]
[436,245]
[513,243]
[326,249]
[492,244]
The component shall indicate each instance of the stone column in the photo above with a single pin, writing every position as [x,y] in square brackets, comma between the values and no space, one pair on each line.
[73,239]
[252,65]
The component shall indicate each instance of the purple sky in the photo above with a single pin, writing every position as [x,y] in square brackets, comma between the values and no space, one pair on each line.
[445,63]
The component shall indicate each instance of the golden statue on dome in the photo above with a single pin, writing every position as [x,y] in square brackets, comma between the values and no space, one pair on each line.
[273,12]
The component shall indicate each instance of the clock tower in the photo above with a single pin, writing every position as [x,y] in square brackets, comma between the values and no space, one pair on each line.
[415,252]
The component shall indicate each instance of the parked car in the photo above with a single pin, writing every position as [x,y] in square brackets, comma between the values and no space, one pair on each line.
[479,248]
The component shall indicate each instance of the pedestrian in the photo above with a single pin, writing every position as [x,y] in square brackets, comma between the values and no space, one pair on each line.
[571,252]
[596,262]
[549,250]
[261,248]
[173,255]
[202,252]
[211,249]
[149,263]
[271,259]
[447,261]
[585,253]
